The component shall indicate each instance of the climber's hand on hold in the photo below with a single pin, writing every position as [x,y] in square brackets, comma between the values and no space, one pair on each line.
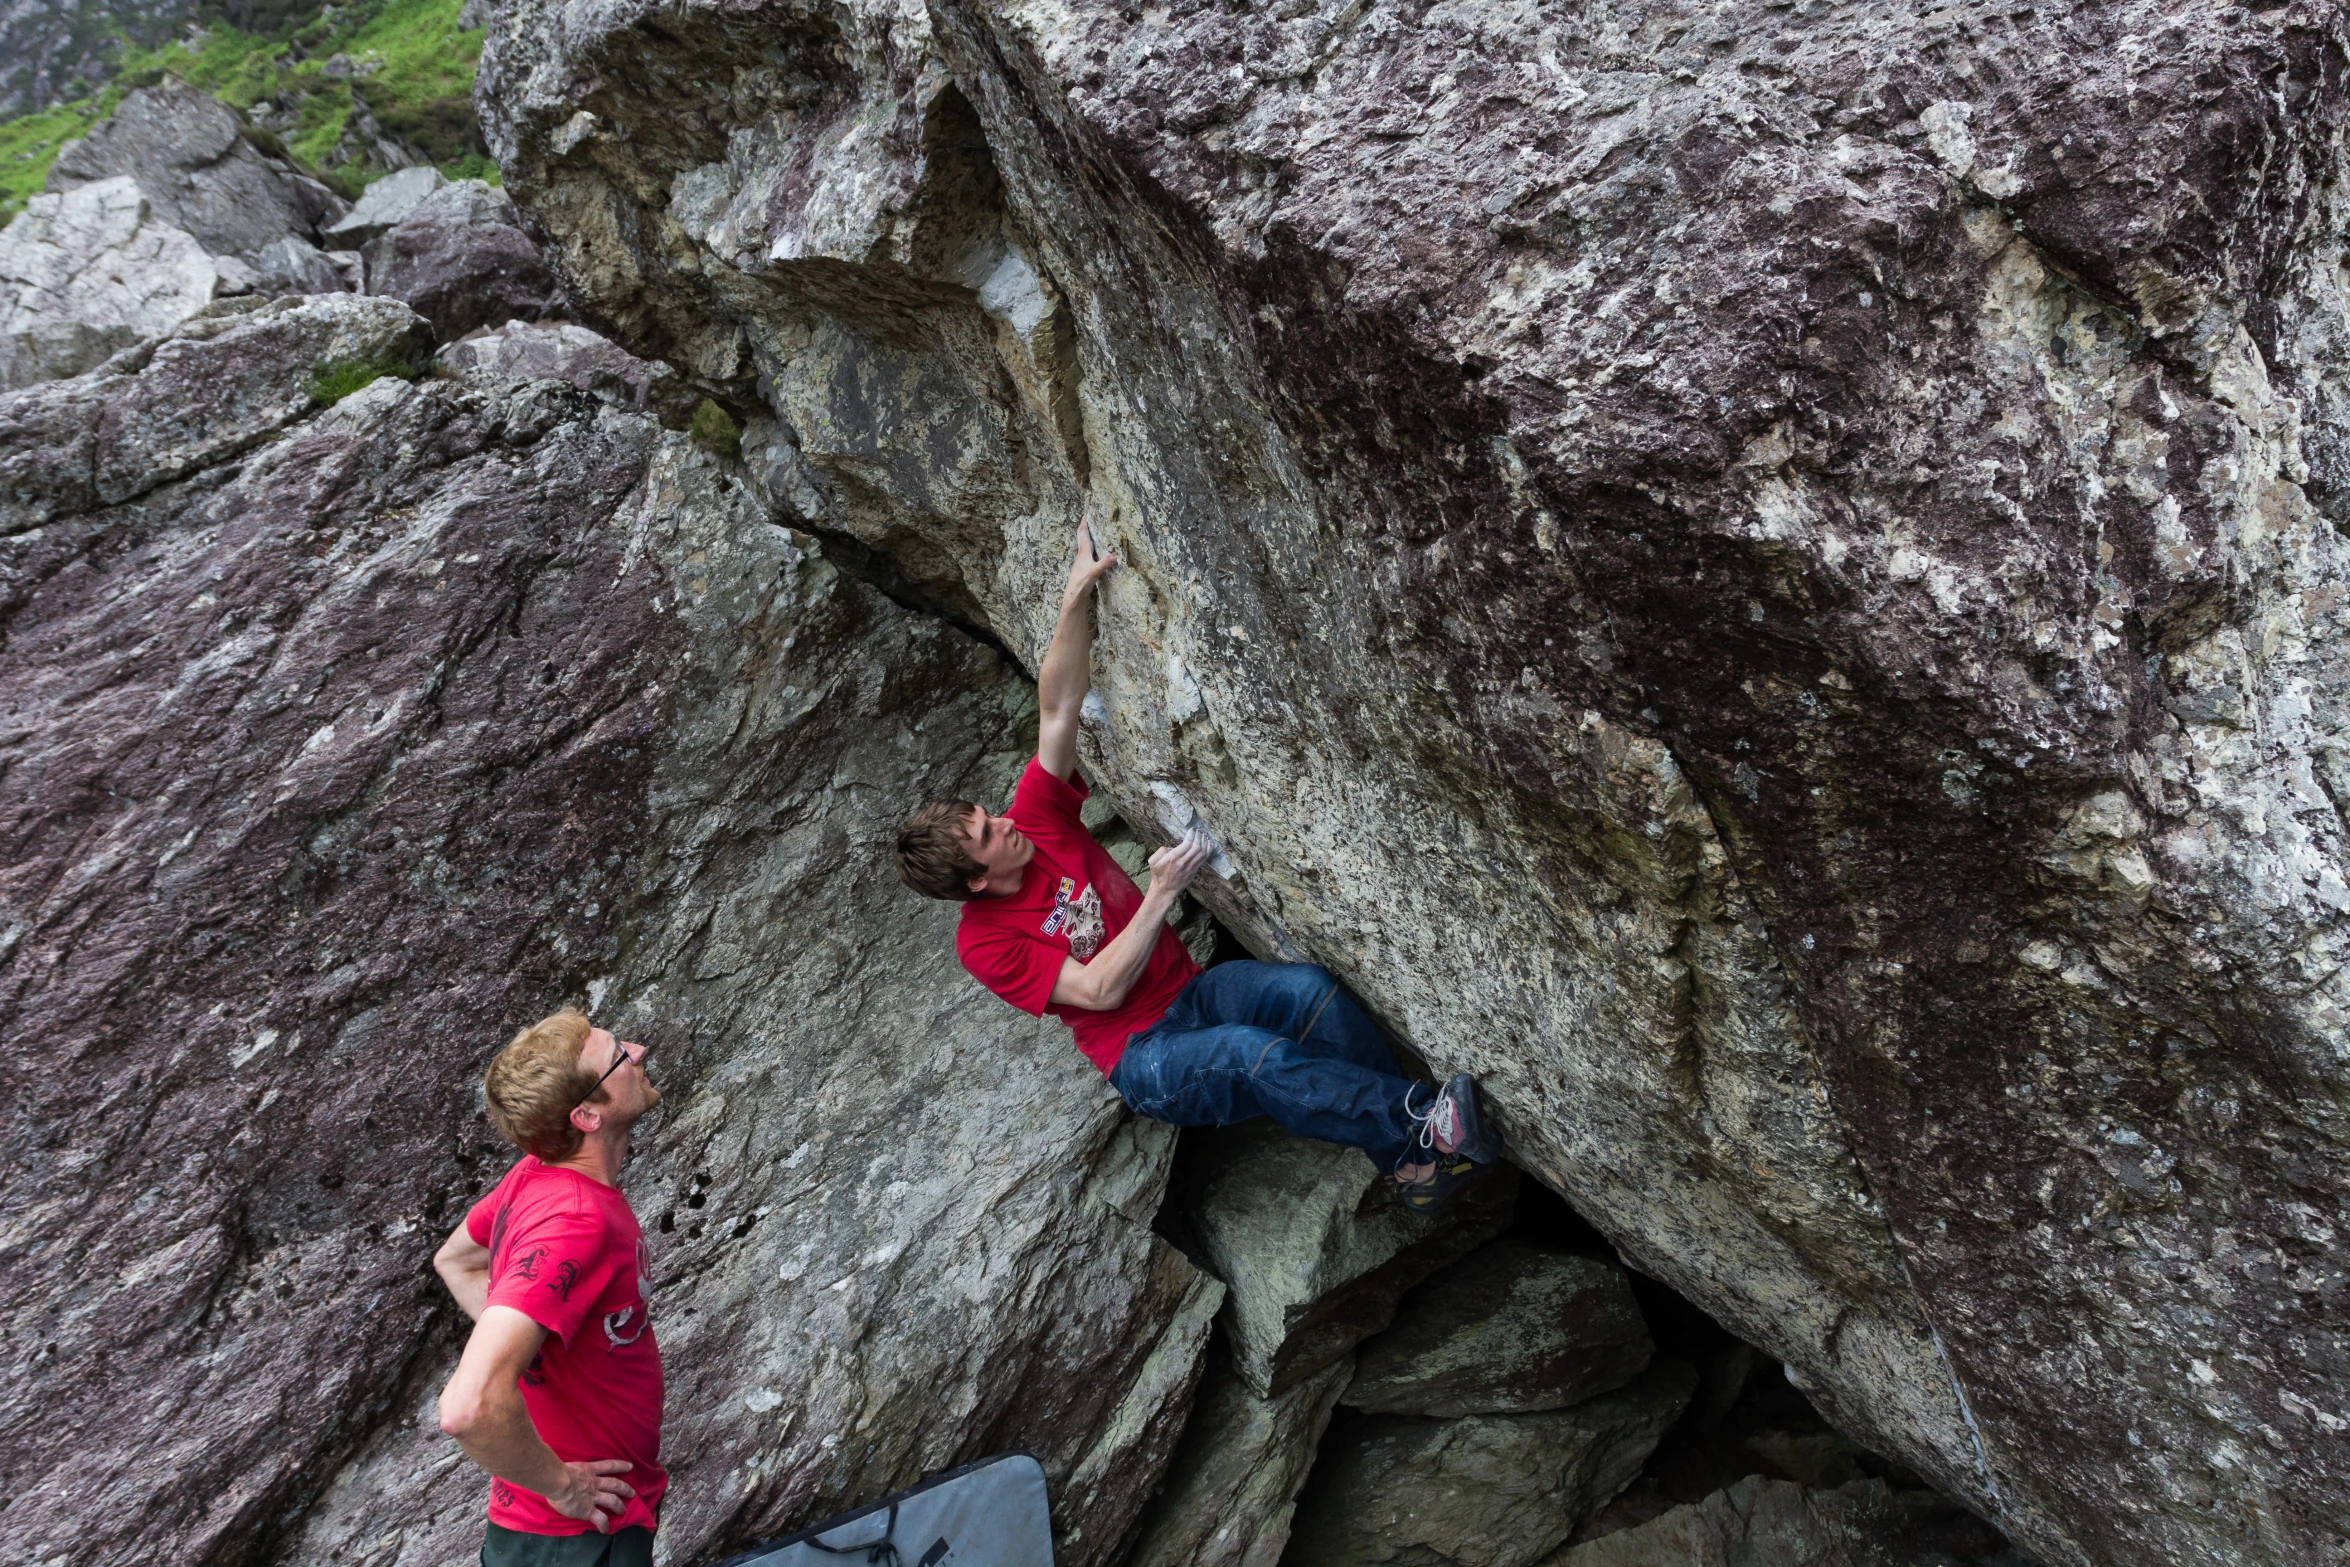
[1090,565]
[1102,982]
[593,1492]
[1173,867]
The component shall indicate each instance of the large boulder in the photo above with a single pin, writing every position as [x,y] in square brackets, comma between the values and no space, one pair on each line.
[459,258]
[1312,1245]
[566,351]
[344,738]
[1768,581]
[384,203]
[1480,1491]
[292,265]
[188,153]
[89,272]
[1232,1485]
[1760,1522]
[164,411]
[1509,1329]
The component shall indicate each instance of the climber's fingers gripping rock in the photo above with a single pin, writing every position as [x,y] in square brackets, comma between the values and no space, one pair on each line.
[1173,867]
[1090,565]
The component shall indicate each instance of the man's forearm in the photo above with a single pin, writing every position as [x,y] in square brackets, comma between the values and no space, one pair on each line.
[503,1441]
[1114,969]
[1067,671]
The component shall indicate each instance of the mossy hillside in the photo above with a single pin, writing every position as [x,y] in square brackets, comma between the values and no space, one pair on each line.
[29,143]
[406,61]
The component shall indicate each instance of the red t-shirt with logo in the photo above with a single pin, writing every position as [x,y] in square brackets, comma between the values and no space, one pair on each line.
[565,1251]
[1073,902]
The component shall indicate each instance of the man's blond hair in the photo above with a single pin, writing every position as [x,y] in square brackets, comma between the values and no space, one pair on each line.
[536,1081]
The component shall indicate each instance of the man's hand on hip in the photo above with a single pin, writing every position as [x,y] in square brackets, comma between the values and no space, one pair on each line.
[593,1492]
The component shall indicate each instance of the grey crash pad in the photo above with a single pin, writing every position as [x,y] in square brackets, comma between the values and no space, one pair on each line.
[989,1514]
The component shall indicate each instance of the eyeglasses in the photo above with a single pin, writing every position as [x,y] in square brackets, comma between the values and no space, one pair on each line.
[597,1086]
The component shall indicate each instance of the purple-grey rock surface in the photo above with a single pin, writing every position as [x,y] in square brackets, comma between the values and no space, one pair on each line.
[339,742]
[1768,579]
[566,351]
[460,259]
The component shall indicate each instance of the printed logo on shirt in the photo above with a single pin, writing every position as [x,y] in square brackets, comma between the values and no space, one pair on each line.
[566,1277]
[619,1320]
[526,1266]
[1060,914]
[502,1494]
[1086,928]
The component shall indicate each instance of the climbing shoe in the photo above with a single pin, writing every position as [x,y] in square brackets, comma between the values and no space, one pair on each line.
[1451,1124]
[1449,1173]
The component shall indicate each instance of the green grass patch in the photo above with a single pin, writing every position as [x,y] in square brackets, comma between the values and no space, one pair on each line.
[28,145]
[234,66]
[339,378]
[475,166]
[425,75]
[714,431]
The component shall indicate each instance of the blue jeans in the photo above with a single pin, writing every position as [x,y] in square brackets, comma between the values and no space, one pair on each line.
[1277,1039]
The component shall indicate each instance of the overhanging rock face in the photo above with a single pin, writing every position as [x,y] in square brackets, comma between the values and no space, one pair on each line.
[340,742]
[1766,580]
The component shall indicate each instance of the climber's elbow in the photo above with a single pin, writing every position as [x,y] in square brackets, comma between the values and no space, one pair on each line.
[1081,986]
[462,1411]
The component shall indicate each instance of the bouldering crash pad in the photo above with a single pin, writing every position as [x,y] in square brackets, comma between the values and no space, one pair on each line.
[989,1514]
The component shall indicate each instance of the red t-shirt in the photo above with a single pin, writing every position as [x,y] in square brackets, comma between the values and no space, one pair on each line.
[565,1252]
[1073,902]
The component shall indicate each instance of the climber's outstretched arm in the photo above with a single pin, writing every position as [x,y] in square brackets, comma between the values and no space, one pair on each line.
[1067,672]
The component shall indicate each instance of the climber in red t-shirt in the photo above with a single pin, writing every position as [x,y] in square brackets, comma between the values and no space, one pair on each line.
[1053,925]
[558,1393]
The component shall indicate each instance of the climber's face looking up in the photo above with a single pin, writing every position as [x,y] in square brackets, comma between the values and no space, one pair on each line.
[623,1091]
[1000,850]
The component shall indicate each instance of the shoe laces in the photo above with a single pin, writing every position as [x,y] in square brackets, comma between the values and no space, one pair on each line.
[1424,1124]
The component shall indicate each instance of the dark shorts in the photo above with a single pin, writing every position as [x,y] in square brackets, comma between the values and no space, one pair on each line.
[504,1547]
